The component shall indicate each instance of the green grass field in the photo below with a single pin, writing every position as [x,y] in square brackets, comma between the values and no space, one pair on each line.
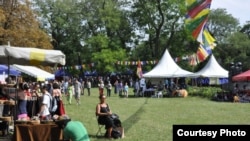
[147,119]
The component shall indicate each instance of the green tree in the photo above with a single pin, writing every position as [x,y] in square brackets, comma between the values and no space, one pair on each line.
[231,44]
[62,19]
[221,24]
[238,51]
[160,21]
[87,27]
[246,29]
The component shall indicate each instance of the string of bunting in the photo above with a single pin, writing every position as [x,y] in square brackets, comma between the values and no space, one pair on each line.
[192,59]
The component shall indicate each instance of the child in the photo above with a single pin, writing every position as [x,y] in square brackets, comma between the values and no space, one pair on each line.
[126,89]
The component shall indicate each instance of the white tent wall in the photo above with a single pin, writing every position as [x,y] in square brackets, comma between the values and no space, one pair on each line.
[38,73]
[155,81]
[214,81]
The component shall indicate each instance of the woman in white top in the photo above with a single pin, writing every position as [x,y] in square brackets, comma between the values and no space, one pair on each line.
[101,87]
[44,113]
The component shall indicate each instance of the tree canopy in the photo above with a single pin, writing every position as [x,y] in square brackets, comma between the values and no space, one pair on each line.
[104,32]
[20,26]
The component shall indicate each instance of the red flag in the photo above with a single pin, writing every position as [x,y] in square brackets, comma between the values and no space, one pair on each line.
[139,70]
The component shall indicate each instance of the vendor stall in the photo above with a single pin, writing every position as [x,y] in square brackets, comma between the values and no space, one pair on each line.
[32,56]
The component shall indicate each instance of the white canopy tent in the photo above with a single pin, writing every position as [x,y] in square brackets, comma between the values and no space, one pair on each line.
[212,70]
[38,73]
[166,68]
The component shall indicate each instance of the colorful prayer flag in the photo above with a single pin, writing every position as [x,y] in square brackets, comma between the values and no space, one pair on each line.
[196,19]
[139,69]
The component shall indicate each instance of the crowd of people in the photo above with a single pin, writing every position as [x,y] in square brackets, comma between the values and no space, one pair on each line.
[241,94]
[238,93]
[35,100]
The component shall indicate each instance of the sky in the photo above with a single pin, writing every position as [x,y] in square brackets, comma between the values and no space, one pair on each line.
[240,9]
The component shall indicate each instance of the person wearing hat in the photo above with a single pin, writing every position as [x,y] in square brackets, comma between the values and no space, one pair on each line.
[72,130]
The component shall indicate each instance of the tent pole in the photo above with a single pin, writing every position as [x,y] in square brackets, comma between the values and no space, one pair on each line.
[8,64]
[8,77]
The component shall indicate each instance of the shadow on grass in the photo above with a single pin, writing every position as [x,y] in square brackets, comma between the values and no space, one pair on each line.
[96,137]
[129,122]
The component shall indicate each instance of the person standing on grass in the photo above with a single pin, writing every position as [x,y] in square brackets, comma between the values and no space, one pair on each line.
[120,88]
[126,88]
[82,87]
[136,88]
[88,86]
[77,88]
[109,88]
[116,87]
[101,87]
[71,92]
[65,85]
[142,86]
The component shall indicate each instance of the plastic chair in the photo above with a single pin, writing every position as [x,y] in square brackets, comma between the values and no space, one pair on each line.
[158,94]
[100,127]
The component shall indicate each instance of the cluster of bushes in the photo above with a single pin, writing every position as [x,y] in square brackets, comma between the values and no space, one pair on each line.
[206,92]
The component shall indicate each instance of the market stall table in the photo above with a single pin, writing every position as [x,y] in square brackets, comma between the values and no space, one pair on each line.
[149,92]
[37,132]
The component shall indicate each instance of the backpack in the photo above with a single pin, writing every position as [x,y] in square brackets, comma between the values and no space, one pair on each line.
[116,134]
[53,104]
[116,120]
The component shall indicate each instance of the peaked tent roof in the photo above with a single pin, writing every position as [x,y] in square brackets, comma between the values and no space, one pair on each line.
[212,70]
[166,68]
[245,76]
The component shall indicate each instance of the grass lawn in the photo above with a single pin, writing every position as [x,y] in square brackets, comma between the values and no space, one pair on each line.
[147,119]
